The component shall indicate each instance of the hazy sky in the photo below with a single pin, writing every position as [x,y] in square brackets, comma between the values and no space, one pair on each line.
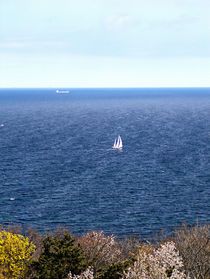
[104,43]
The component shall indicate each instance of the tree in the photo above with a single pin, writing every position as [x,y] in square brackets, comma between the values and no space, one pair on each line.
[99,250]
[157,263]
[59,257]
[193,244]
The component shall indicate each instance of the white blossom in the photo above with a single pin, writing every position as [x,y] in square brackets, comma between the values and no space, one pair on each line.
[161,263]
[87,274]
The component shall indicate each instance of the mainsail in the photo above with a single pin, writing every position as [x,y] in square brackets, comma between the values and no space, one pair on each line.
[118,143]
[115,144]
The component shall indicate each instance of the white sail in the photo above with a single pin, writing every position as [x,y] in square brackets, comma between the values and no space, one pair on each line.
[115,144]
[120,145]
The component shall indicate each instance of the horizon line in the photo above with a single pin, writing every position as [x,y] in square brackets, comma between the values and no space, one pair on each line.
[132,87]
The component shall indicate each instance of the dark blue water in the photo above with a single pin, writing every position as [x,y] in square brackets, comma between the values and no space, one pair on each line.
[57,166]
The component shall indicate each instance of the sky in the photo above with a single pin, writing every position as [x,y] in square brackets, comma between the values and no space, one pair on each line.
[104,43]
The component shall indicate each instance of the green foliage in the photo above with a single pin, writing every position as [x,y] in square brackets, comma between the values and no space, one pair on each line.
[109,258]
[59,257]
[15,252]
[114,271]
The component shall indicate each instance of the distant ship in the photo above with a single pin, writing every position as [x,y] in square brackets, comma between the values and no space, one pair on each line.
[118,143]
[62,91]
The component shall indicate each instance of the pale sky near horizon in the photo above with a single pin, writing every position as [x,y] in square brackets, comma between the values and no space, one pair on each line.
[104,43]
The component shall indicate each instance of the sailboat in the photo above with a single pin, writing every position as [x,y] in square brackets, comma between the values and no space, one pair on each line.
[118,143]
[62,91]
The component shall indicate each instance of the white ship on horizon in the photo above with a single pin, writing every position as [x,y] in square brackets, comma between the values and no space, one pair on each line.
[62,91]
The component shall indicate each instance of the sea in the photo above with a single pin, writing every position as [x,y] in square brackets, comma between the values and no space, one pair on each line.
[58,168]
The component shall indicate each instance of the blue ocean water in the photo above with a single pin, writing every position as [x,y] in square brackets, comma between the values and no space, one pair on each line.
[57,166]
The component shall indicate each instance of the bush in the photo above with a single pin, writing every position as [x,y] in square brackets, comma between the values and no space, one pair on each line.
[114,271]
[87,274]
[15,252]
